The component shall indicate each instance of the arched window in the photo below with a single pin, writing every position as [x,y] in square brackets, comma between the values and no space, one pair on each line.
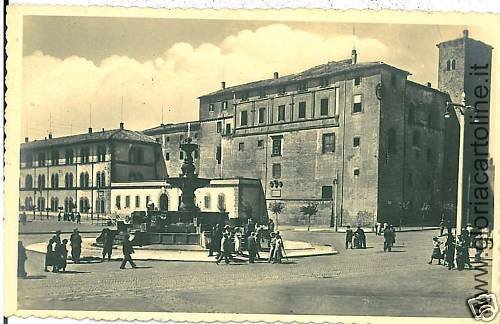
[41,204]
[28,182]
[54,181]
[68,180]
[101,153]
[448,65]
[54,204]
[84,205]
[87,180]
[84,155]
[98,179]
[82,180]
[221,202]
[453,64]
[69,156]
[207,201]
[103,179]
[28,203]
[68,204]
[41,181]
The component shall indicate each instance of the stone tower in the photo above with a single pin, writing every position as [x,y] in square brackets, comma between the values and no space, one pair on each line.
[465,69]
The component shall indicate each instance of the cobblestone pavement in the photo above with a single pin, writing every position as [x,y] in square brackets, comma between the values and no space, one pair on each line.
[354,282]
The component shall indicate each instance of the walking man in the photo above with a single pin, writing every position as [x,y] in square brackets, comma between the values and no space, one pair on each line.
[387,239]
[225,250]
[349,234]
[76,246]
[128,250]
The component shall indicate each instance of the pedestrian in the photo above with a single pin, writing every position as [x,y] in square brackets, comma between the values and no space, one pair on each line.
[361,237]
[76,246]
[436,250]
[448,226]
[450,251]
[225,250]
[211,241]
[57,237]
[250,227]
[62,255]
[270,225]
[465,248]
[387,239]
[128,250]
[237,241]
[252,247]
[349,234]
[393,234]
[273,247]
[278,251]
[78,217]
[72,215]
[23,218]
[460,253]
[107,247]
[21,260]
[441,226]
[49,256]
[258,239]
[59,216]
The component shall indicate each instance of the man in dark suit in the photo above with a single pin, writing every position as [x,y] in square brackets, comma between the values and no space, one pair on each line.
[128,250]
[252,247]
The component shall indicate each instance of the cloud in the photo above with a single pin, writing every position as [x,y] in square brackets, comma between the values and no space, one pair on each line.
[65,88]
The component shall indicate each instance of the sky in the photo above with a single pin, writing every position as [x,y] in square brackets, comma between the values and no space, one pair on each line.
[77,71]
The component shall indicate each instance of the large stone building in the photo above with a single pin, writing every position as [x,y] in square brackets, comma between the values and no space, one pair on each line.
[77,172]
[359,139]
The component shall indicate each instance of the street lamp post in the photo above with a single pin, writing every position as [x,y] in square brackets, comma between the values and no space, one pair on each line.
[461,111]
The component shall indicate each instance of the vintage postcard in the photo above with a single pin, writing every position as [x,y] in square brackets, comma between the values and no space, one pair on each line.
[260,165]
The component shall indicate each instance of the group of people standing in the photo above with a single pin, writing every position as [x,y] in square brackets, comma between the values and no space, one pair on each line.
[459,245]
[226,241]
[69,217]
[355,239]
[57,251]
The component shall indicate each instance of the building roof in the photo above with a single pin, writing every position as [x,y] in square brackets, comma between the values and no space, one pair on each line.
[314,72]
[114,134]
[173,128]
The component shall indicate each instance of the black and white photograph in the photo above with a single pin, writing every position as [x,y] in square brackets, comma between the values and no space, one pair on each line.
[251,163]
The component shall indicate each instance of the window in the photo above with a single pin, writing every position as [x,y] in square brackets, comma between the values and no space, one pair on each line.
[54,181]
[84,180]
[241,147]
[206,200]
[100,179]
[416,138]
[323,82]
[356,141]
[137,201]
[167,139]
[302,109]
[28,182]
[281,113]
[357,81]
[357,106]
[218,128]
[356,172]
[41,159]
[391,141]
[54,204]
[29,160]
[228,129]
[84,155]
[54,156]
[118,202]
[324,107]
[211,107]
[429,155]
[302,86]
[41,181]
[244,118]
[328,143]
[448,65]
[167,156]
[262,115]
[276,145]
[224,105]
[181,155]
[84,205]
[453,64]
[327,192]
[127,201]
[276,170]
[221,202]
[68,204]
[260,143]
[101,153]
[68,180]
[218,154]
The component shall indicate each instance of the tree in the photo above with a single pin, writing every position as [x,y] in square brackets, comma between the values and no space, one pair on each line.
[309,210]
[276,208]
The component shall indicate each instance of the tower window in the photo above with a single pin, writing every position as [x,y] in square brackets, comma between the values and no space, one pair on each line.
[244,118]
[324,107]
[277,145]
[453,64]
[357,81]
[219,127]
[224,105]
[357,105]
[211,107]
[328,143]
[302,109]
[356,141]
[281,113]
[276,170]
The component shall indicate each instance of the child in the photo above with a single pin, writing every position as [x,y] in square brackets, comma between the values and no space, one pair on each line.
[436,250]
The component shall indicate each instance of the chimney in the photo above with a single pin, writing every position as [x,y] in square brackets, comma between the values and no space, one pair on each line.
[90,130]
[26,139]
[354,57]
[103,129]
[50,135]
[466,33]
[223,85]
[121,125]
[429,84]
[276,75]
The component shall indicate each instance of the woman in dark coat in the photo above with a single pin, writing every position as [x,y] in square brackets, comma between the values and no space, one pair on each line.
[49,256]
